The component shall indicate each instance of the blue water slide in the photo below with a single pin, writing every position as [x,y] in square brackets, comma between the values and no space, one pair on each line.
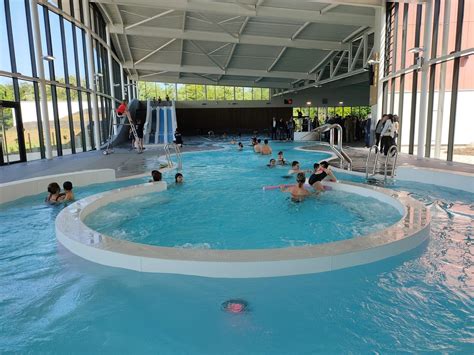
[169,125]
[161,138]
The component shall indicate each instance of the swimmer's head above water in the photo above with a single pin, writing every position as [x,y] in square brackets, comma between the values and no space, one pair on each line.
[272,163]
[295,165]
[178,178]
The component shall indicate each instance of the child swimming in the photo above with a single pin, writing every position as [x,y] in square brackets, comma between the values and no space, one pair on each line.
[298,192]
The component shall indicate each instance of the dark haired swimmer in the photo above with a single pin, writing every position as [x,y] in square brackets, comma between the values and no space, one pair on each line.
[281,160]
[298,192]
[156,176]
[272,163]
[321,171]
[53,193]
[240,146]
[178,178]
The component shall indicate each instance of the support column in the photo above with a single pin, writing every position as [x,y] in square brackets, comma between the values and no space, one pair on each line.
[379,51]
[426,55]
[42,85]
[122,82]
[91,72]
[111,67]
[442,80]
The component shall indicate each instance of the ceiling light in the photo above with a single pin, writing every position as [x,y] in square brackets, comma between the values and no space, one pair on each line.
[49,58]
[341,102]
[373,62]
[116,85]
[308,103]
[98,75]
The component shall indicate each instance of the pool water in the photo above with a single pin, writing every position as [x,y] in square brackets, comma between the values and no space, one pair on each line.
[54,302]
[222,205]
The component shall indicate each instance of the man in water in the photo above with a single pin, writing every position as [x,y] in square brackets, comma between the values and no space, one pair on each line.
[257,148]
[272,163]
[266,149]
[295,168]
[321,171]
[281,160]
[298,192]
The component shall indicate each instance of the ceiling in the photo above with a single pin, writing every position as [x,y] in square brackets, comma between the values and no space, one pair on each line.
[268,43]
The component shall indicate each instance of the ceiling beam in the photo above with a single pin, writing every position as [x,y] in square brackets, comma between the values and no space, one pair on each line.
[155,51]
[141,22]
[207,55]
[299,30]
[283,50]
[233,9]
[215,70]
[164,32]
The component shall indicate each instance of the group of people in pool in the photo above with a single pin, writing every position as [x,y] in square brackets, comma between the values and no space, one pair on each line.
[157,176]
[320,172]
[56,196]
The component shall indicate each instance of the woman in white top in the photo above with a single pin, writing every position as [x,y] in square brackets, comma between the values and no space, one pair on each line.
[387,134]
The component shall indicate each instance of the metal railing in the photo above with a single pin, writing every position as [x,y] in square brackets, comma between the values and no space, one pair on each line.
[391,154]
[177,151]
[341,154]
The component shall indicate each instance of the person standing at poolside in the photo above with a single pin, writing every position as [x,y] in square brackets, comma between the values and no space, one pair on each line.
[274,128]
[266,149]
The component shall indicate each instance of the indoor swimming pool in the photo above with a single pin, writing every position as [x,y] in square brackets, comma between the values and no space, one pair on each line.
[54,301]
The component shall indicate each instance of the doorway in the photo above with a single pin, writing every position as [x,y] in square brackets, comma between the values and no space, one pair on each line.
[12,140]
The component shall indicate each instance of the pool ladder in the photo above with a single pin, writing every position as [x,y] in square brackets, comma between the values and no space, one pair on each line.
[177,152]
[345,160]
[390,163]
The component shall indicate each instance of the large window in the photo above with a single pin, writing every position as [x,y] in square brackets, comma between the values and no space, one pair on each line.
[196,92]
[450,88]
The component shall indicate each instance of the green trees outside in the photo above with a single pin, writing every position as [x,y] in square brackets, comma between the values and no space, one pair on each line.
[198,92]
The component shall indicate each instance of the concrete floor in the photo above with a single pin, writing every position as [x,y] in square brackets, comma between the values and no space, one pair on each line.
[128,163]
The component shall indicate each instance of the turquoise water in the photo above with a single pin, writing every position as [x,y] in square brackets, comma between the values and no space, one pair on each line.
[54,302]
[222,205]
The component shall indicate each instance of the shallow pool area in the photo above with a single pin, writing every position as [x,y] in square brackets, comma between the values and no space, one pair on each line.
[222,205]
[54,301]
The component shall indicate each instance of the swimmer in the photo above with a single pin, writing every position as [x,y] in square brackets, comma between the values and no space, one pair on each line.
[266,149]
[295,168]
[257,148]
[272,163]
[298,192]
[178,178]
[281,160]
[321,171]
[240,146]
[68,194]
[53,193]
[156,176]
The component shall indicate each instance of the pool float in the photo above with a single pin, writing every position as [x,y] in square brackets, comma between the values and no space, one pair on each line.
[235,306]
[275,187]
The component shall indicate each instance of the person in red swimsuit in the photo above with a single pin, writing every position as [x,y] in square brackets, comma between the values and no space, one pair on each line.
[122,108]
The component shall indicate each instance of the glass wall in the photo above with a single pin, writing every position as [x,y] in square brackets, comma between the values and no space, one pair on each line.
[197,92]
[68,92]
[450,75]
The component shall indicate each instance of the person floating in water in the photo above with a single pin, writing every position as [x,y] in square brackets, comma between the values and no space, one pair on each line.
[178,178]
[53,193]
[156,176]
[272,163]
[298,192]
[321,171]
[266,149]
[257,148]
[281,160]
[295,168]
[240,146]
[68,194]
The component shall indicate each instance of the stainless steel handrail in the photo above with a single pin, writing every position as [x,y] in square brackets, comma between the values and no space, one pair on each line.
[177,153]
[392,152]
[342,155]
[377,151]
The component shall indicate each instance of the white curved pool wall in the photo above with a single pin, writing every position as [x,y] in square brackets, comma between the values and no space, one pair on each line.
[13,190]
[409,232]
